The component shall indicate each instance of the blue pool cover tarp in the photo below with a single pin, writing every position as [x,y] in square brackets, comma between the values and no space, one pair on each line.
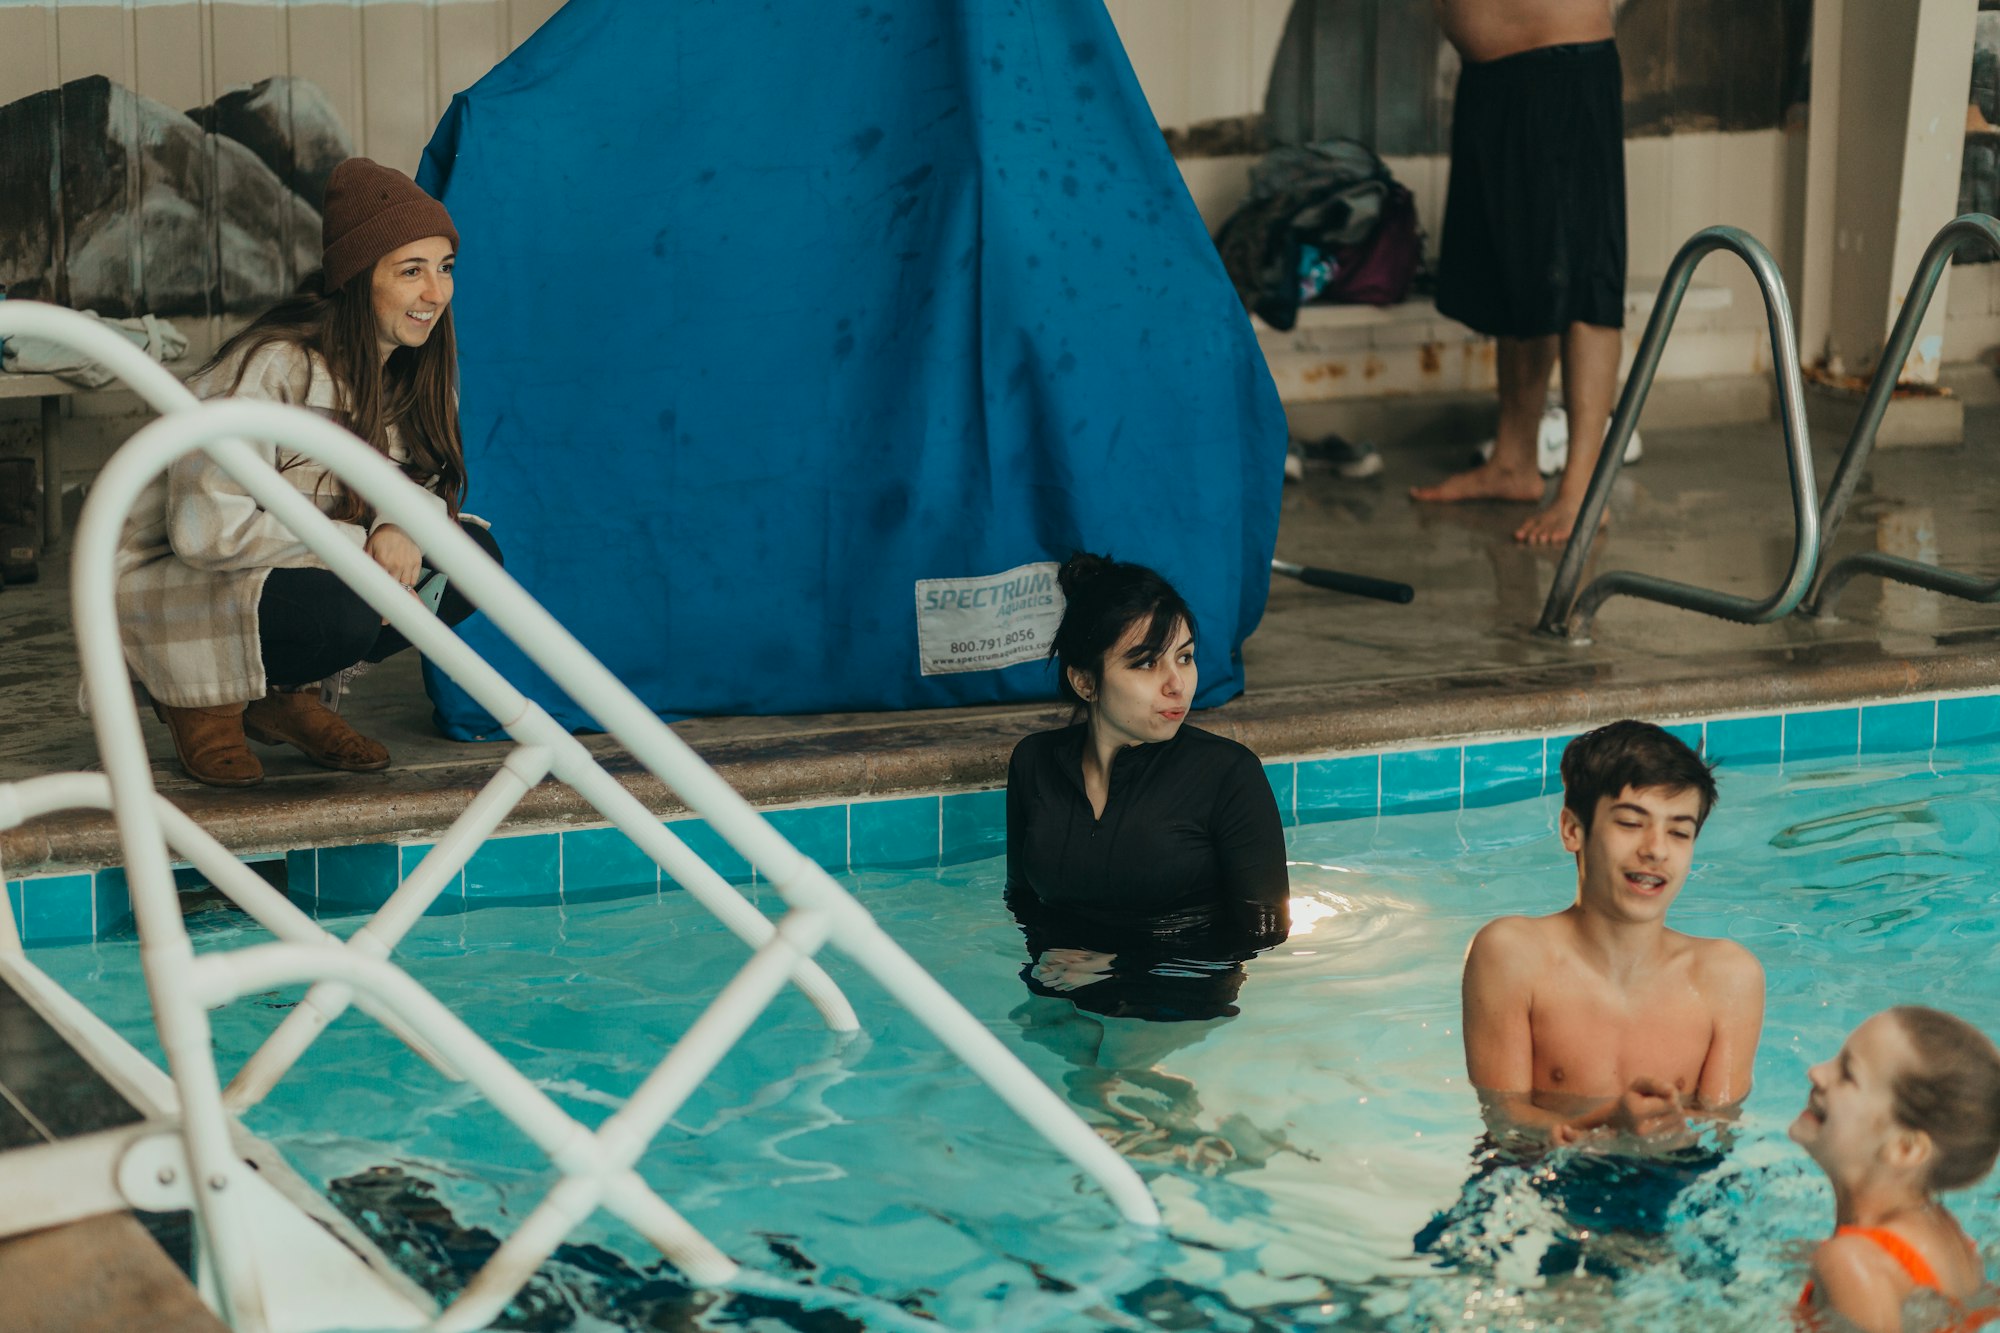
[797,338]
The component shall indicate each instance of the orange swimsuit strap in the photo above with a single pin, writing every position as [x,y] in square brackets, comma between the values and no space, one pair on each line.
[1901,1251]
[1920,1273]
[1896,1248]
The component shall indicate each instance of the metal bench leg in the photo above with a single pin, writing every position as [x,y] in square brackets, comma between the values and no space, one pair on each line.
[52,516]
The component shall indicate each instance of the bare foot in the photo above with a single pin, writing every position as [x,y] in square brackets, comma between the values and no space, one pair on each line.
[1552,526]
[1489,481]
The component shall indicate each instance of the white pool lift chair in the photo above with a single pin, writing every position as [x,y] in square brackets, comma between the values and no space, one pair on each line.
[191,1152]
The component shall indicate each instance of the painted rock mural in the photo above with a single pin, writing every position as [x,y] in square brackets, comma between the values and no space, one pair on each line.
[114,202]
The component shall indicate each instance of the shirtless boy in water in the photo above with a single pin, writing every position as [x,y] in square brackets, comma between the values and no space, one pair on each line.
[1599,1019]
[1532,251]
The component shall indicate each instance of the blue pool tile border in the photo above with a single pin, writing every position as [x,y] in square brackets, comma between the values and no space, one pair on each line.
[904,833]
[111,903]
[1745,740]
[1816,735]
[598,863]
[1284,780]
[576,865]
[1417,780]
[1497,772]
[451,898]
[820,831]
[526,867]
[359,877]
[973,825]
[1973,718]
[57,907]
[1896,728]
[1335,788]
[709,845]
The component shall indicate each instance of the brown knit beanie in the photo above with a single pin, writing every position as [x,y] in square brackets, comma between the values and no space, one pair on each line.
[370,210]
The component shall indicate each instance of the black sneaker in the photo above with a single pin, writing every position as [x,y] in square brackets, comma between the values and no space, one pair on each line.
[1350,460]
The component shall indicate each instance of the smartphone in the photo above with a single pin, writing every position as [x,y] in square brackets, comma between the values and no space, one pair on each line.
[430,588]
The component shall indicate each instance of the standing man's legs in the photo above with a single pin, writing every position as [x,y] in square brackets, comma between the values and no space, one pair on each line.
[1590,355]
[1533,252]
[1522,366]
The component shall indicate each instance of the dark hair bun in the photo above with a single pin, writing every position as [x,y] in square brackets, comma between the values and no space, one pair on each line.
[1102,600]
[1080,569]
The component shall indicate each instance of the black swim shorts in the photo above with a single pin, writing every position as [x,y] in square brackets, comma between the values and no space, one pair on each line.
[1534,219]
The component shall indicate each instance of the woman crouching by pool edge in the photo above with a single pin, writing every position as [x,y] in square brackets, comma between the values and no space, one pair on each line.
[1145,857]
[230,622]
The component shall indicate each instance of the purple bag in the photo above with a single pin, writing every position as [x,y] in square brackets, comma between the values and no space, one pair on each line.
[1378,271]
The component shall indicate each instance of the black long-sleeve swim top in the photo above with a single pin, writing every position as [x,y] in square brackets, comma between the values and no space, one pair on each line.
[1189,855]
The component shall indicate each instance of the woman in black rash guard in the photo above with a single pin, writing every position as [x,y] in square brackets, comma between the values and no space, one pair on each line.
[1145,857]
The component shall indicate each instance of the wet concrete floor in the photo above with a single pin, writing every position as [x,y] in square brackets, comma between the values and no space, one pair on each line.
[1325,671]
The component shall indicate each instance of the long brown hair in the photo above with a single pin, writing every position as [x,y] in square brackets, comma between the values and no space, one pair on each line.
[416,391]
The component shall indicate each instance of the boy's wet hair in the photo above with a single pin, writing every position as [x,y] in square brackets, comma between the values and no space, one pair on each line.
[1604,762]
[1102,599]
[1951,1092]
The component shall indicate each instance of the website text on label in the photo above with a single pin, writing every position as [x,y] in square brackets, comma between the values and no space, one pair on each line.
[985,623]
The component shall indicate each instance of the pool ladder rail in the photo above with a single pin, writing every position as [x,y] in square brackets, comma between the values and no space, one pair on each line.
[1568,614]
[1954,235]
[597,1169]
[1810,585]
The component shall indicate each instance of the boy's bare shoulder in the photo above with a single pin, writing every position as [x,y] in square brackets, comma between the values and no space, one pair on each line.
[1513,939]
[1722,965]
[1517,929]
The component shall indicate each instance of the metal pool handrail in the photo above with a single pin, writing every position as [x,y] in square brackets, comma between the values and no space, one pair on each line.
[596,1167]
[1568,615]
[1825,595]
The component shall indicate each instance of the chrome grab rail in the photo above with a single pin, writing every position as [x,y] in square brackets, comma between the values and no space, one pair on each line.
[1861,441]
[597,1167]
[1568,615]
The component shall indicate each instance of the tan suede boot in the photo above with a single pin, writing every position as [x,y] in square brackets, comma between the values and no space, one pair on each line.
[298,718]
[209,743]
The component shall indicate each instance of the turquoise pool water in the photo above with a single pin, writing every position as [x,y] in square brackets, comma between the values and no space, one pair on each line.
[1297,1150]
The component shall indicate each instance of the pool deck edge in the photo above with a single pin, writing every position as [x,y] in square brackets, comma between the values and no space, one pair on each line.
[876,755]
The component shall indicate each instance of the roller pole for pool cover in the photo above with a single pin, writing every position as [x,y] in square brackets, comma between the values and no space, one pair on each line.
[220,432]
[1952,237]
[1568,615]
[1359,585]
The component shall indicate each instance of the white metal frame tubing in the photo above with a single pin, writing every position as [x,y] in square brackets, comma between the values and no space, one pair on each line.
[598,1169]
[165,949]
[22,801]
[378,936]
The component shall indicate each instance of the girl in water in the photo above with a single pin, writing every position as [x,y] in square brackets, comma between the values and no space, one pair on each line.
[1909,1107]
[1145,857]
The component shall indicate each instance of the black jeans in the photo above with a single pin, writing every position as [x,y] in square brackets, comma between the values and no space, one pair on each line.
[311,625]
